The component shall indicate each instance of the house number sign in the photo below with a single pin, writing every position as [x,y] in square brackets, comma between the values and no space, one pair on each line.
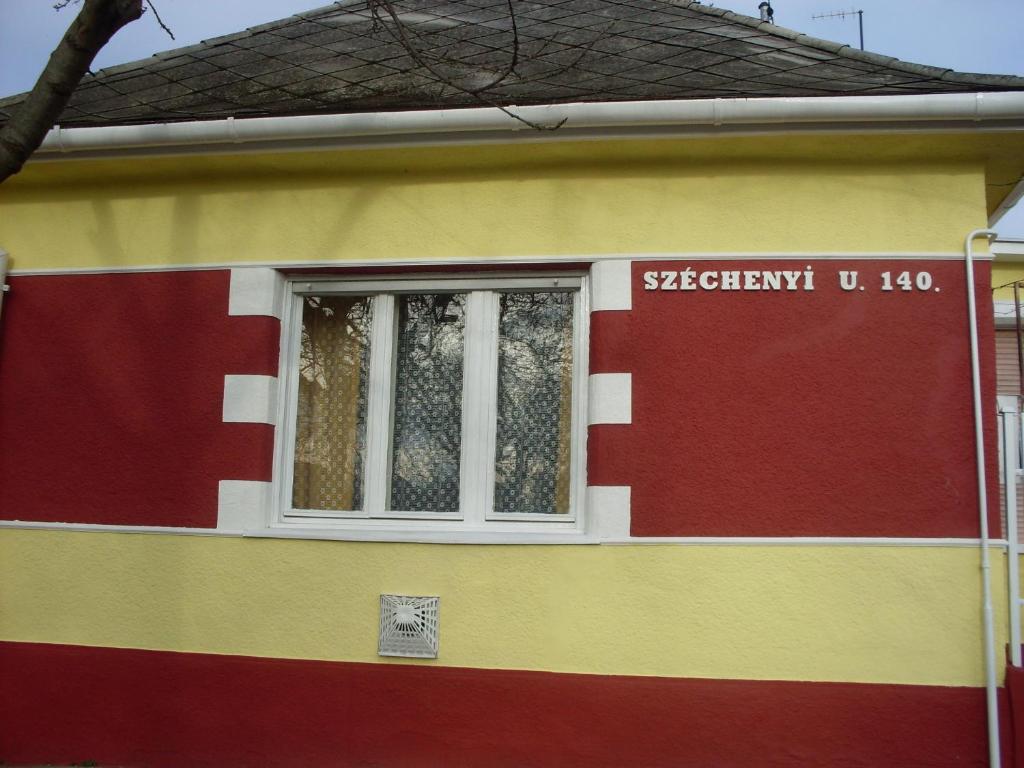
[782,280]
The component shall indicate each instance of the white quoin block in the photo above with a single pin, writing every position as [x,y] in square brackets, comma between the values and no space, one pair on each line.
[610,398]
[611,285]
[243,505]
[250,398]
[256,291]
[608,511]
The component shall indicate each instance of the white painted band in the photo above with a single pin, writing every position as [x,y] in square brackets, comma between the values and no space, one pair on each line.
[610,398]
[243,505]
[1005,314]
[1007,249]
[250,398]
[476,537]
[470,262]
[611,286]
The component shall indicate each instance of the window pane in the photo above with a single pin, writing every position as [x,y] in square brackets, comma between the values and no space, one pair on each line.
[330,434]
[428,403]
[534,403]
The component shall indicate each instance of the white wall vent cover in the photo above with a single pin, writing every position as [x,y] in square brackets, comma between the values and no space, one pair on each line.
[408,626]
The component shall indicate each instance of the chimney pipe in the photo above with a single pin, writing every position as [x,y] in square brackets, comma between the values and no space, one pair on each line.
[767,14]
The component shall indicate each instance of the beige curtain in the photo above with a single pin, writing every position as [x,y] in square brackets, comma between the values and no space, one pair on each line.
[331,425]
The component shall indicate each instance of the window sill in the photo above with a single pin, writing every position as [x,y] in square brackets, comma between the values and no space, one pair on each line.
[431,535]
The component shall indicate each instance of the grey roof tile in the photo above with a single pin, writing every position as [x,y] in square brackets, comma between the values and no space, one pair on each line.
[781,59]
[821,54]
[186,66]
[211,80]
[312,86]
[832,71]
[234,57]
[735,48]
[336,59]
[770,41]
[740,69]
[691,59]
[284,77]
[694,39]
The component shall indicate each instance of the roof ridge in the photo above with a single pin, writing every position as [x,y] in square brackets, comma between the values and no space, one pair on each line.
[843,49]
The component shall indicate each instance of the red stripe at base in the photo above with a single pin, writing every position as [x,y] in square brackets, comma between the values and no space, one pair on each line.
[63,704]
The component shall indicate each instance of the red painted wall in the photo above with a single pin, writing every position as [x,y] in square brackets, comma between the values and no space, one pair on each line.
[111,388]
[824,413]
[60,704]
[803,413]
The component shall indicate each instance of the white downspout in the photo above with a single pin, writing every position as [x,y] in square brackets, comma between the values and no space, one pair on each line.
[979,443]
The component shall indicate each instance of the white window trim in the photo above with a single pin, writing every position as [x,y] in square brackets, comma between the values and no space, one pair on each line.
[476,520]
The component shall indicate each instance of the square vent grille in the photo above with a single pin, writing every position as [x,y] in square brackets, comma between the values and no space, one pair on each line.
[408,626]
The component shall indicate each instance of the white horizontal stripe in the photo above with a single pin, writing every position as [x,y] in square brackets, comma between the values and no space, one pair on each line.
[25,525]
[470,261]
[810,541]
[468,538]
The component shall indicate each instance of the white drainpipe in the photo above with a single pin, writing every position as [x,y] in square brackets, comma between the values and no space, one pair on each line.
[979,448]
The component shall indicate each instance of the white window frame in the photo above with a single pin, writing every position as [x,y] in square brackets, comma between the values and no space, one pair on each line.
[476,516]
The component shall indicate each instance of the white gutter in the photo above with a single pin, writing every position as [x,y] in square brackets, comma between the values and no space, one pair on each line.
[979,455]
[999,110]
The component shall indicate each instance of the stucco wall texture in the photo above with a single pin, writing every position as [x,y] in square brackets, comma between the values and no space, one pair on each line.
[745,195]
[868,417]
[823,413]
[828,613]
[164,710]
[112,388]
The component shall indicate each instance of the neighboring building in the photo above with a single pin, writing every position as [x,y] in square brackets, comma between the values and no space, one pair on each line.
[1007,270]
[670,407]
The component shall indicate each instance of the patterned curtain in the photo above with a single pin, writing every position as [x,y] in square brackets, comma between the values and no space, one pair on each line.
[427,437]
[534,403]
[330,435]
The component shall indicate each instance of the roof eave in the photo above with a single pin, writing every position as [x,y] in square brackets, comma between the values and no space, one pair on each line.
[963,111]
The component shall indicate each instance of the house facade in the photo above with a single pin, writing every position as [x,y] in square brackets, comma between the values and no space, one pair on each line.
[402,432]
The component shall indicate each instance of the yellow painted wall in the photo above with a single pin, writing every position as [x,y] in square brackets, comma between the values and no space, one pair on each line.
[810,194]
[850,613]
[840,613]
[1004,272]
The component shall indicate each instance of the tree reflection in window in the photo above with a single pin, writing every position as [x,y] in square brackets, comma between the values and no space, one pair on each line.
[534,403]
[427,437]
[330,435]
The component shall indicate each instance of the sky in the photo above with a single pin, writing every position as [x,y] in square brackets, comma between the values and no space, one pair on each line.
[965,35]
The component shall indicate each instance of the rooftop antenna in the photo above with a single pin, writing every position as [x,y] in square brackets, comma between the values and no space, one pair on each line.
[843,15]
[767,13]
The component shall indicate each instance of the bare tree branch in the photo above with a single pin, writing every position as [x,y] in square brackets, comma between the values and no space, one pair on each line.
[99,20]
[164,27]
[399,33]
[95,24]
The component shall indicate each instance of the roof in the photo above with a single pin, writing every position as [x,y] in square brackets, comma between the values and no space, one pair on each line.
[342,59]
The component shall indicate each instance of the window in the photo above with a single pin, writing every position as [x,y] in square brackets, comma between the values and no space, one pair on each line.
[434,404]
